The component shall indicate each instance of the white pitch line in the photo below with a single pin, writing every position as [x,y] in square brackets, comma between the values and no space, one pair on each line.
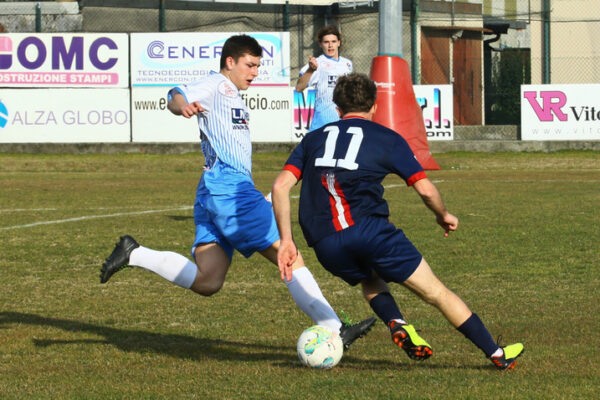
[26,209]
[86,217]
[395,185]
[62,221]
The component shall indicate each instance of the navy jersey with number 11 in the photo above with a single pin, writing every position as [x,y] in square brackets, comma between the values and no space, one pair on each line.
[342,166]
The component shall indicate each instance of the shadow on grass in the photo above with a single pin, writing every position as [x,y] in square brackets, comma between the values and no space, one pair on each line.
[180,346]
[198,349]
[351,362]
[180,217]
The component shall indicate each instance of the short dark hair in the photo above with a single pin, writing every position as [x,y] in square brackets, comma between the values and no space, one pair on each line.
[238,46]
[328,30]
[354,93]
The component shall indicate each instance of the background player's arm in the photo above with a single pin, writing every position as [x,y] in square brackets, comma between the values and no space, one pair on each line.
[179,106]
[305,78]
[433,200]
[288,252]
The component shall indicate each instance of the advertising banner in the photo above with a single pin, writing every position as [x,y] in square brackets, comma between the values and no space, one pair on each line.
[270,113]
[160,61]
[151,121]
[437,104]
[303,112]
[64,115]
[436,101]
[560,112]
[269,108]
[170,59]
[64,60]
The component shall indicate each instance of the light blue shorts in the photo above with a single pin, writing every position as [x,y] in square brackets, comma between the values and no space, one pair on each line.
[241,219]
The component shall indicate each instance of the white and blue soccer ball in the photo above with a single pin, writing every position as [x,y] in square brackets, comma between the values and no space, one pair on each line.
[320,347]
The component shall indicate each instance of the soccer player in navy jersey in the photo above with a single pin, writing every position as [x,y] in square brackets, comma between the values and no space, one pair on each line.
[322,73]
[345,219]
[229,212]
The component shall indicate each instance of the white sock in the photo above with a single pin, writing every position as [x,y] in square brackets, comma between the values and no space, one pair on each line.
[172,266]
[307,295]
[498,352]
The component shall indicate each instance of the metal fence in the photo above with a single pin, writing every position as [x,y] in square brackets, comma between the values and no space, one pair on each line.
[562,27]
[358,23]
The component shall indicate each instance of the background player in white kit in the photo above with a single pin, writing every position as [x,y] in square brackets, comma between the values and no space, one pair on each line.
[229,212]
[322,73]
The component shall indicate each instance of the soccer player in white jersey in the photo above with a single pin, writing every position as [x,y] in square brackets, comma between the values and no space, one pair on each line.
[229,212]
[322,73]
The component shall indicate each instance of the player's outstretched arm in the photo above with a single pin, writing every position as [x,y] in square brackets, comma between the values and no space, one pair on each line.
[179,106]
[305,78]
[433,200]
[280,195]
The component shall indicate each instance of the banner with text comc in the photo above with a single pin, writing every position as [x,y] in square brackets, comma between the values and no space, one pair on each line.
[37,60]
[560,112]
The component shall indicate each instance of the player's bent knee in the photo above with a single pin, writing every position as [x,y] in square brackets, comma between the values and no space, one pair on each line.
[206,288]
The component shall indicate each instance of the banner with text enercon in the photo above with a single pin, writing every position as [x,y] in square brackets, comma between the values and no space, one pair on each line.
[160,61]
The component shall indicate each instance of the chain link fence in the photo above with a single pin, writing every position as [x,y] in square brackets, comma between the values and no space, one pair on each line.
[358,24]
[456,45]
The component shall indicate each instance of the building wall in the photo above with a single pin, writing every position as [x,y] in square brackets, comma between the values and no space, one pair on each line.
[574,49]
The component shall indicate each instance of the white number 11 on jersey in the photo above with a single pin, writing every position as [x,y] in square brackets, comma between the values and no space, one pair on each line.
[348,162]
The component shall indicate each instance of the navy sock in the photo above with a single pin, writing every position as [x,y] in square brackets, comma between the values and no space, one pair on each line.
[476,332]
[385,307]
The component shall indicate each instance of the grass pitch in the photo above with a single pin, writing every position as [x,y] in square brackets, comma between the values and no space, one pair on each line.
[525,258]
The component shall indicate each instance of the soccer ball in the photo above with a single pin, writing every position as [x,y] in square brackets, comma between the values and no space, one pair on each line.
[320,347]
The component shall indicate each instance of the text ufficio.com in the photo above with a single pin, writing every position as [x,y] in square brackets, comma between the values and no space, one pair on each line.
[255,102]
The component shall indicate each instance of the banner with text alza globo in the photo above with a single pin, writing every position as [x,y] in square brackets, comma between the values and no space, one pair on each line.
[160,61]
[79,116]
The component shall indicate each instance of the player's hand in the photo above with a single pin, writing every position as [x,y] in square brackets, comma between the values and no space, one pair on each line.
[191,109]
[286,257]
[312,63]
[448,222]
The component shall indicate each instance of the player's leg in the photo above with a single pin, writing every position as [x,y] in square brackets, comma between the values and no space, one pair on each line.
[255,230]
[172,266]
[204,277]
[377,293]
[211,251]
[426,285]
[306,291]
[391,258]
[308,296]
[212,263]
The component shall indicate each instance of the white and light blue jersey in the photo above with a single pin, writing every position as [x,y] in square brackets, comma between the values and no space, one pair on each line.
[324,80]
[224,131]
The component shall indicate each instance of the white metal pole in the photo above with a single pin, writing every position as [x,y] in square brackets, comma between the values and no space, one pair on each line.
[390,28]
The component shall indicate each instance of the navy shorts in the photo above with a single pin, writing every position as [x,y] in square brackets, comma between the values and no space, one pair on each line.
[373,244]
